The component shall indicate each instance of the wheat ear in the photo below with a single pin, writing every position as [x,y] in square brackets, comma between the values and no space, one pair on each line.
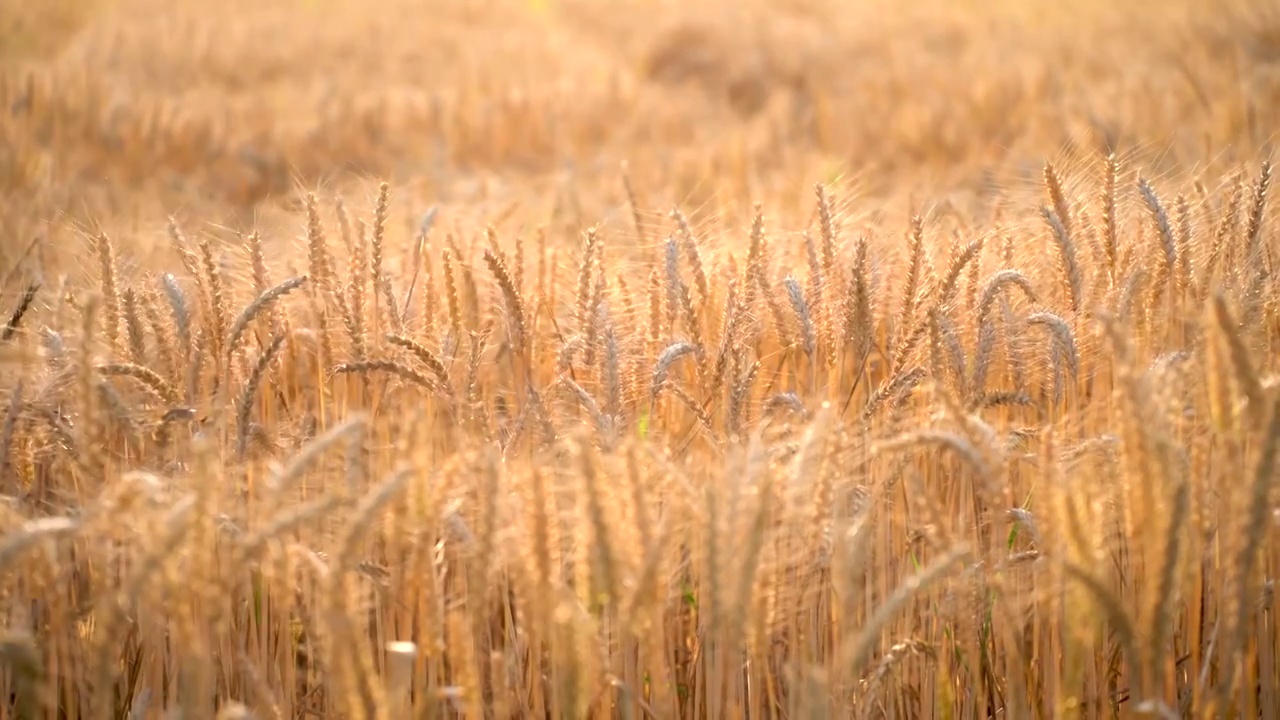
[110,291]
[264,302]
[144,375]
[1067,253]
[1110,242]
[511,296]
[424,355]
[387,366]
[1257,213]
[19,311]
[905,326]
[250,391]
[692,253]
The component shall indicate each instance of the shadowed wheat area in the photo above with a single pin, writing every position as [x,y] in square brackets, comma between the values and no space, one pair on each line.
[638,359]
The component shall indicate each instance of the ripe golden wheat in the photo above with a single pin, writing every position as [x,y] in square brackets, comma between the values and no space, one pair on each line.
[688,454]
[963,478]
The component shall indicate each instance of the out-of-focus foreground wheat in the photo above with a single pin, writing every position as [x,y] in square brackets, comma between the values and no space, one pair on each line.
[762,359]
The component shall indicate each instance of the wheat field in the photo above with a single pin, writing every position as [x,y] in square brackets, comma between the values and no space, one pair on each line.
[638,359]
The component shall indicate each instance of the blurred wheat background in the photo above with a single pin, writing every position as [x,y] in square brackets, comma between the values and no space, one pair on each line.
[638,359]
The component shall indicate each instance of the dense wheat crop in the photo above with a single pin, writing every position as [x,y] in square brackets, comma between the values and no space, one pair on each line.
[638,358]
